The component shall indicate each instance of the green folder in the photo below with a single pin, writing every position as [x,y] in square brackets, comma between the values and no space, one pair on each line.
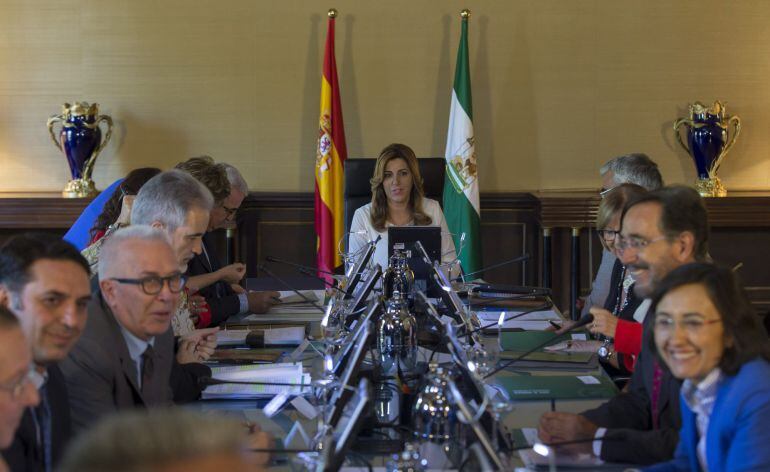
[522,341]
[557,387]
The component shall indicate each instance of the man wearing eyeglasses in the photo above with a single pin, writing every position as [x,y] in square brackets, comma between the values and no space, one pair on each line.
[634,168]
[17,391]
[224,297]
[660,231]
[126,354]
[44,281]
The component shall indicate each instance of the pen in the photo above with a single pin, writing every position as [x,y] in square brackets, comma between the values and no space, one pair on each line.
[554,324]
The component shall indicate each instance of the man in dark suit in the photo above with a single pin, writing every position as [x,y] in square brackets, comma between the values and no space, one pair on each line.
[44,281]
[17,391]
[224,297]
[126,354]
[660,231]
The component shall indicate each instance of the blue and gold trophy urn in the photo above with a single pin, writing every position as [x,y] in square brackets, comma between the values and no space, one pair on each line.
[80,139]
[708,141]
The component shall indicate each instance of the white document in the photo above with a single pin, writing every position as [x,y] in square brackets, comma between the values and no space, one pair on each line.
[535,321]
[290,296]
[262,373]
[291,336]
[232,337]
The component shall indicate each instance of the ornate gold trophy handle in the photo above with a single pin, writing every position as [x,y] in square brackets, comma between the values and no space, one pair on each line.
[51,121]
[736,122]
[677,124]
[92,160]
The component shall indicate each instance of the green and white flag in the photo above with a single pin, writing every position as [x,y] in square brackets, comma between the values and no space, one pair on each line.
[461,188]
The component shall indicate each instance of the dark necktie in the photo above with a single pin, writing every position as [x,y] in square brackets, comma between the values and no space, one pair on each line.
[148,365]
[42,414]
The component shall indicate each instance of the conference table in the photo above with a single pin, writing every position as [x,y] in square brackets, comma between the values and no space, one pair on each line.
[525,413]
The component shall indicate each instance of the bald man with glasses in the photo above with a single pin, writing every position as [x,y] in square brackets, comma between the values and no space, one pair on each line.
[125,357]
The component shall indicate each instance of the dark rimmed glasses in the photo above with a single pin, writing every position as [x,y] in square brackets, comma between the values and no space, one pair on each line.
[153,284]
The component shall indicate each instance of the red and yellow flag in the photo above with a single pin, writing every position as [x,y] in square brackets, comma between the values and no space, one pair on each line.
[330,162]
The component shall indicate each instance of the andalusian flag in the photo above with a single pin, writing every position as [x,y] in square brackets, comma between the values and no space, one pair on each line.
[461,188]
[330,162]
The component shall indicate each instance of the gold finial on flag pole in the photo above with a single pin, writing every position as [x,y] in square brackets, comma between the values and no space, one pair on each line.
[465,13]
[332,13]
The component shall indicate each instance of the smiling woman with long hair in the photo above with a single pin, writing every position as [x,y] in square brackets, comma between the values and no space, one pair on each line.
[397,200]
[707,333]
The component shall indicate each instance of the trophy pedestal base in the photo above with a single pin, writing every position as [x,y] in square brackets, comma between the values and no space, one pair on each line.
[79,188]
[710,187]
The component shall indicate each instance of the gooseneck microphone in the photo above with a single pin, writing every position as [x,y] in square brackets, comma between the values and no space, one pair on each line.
[204,382]
[285,284]
[493,266]
[297,266]
[579,324]
[331,285]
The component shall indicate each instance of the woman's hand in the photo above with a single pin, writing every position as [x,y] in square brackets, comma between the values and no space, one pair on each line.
[233,273]
[124,219]
[604,322]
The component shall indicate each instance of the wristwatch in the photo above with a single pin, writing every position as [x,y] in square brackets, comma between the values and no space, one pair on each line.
[605,351]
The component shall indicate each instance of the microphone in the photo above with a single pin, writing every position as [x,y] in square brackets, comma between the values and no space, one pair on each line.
[298,266]
[494,266]
[282,282]
[579,324]
[331,285]
[204,382]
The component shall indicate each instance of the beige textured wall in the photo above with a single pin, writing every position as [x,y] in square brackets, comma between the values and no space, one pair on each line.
[558,86]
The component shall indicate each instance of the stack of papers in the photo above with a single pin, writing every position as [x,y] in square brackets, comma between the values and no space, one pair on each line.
[535,321]
[269,373]
[290,296]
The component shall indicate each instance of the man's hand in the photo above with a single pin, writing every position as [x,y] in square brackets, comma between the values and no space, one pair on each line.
[203,341]
[260,302]
[558,427]
[604,322]
[237,289]
[258,439]
[233,273]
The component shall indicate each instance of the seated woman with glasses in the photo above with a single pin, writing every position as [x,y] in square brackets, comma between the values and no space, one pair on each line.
[615,322]
[397,200]
[707,333]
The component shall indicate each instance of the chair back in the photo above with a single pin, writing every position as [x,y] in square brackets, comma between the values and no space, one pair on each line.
[358,191]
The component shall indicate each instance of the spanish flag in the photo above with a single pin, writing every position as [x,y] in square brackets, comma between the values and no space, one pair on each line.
[330,162]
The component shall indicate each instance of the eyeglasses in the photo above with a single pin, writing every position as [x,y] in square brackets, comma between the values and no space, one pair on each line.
[607,234]
[692,325]
[604,192]
[153,285]
[229,212]
[16,388]
[635,242]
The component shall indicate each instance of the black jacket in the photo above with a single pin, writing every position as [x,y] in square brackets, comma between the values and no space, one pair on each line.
[25,452]
[630,414]
[221,298]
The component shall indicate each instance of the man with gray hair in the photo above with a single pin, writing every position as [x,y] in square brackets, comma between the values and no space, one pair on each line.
[634,168]
[226,299]
[124,358]
[166,441]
